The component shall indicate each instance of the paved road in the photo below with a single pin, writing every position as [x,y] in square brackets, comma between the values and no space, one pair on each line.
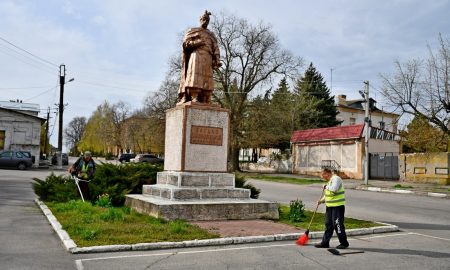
[26,239]
[28,242]
[424,242]
[381,252]
[419,214]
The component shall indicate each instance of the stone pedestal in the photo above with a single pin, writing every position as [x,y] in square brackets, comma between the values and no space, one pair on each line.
[196,138]
[194,184]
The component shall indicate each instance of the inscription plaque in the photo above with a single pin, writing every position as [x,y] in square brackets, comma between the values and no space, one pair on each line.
[206,135]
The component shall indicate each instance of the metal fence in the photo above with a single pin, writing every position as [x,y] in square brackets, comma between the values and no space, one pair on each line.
[383,166]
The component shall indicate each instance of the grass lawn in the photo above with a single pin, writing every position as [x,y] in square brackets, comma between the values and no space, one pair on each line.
[282,179]
[90,225]
[319,221]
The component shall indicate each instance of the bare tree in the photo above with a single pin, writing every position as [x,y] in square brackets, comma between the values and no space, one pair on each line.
[164,98]
[118,113]
[422,87]
[74,132]
[251,57]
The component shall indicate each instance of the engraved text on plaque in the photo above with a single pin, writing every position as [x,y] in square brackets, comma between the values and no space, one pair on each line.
[206,135]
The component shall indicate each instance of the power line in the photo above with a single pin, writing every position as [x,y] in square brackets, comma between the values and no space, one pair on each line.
[40,58]
[111,86]
[28,99]
[30,87]
[54,124]
[40,94]
[29,63]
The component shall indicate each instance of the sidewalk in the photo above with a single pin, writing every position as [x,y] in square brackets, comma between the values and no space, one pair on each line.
[424,189]
[391,186]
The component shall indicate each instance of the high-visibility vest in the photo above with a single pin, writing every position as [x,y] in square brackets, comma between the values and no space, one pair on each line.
[84,170]
[333,199]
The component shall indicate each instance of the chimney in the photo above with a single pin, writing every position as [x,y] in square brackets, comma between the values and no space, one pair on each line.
[341,100]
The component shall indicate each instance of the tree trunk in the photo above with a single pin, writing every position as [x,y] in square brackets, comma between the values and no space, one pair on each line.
[235,159]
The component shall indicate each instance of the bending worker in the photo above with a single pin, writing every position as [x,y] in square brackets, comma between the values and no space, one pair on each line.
[84,169]
[334,200]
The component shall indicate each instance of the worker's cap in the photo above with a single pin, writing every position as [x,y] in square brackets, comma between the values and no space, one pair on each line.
[87,154]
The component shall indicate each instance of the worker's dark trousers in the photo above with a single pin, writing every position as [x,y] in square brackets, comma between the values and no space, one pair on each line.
[84,186]
[334,221]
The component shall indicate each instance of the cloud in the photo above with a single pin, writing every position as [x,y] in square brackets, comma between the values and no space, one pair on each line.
[100,20]
[69,9]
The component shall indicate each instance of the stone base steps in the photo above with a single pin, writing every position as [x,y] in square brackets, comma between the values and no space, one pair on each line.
[213,209]
[195,179]
[171,192]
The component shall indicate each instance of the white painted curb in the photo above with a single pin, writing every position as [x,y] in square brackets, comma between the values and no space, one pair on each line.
[438,195]
[403,191]
[70,245]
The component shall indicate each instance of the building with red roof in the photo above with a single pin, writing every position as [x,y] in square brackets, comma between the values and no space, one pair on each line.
[342,148]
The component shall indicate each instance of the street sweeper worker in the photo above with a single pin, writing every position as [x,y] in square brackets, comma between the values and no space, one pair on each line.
[334,200]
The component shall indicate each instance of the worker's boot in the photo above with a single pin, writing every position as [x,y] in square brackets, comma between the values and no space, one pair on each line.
[321,245]
[341,246]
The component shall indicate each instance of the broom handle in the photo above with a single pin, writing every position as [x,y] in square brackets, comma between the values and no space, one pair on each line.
[315,210]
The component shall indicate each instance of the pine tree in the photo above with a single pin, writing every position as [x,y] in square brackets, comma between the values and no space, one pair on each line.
[313,89]
[281,115]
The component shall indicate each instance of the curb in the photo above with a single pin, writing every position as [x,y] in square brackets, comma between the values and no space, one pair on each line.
[70,245]
[402,191]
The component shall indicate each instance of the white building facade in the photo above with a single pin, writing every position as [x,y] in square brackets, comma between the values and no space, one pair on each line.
[20,131]
[352,112]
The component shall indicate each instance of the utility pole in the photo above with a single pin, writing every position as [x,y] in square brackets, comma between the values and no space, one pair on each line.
[62,81]
[46,132]
[366,137]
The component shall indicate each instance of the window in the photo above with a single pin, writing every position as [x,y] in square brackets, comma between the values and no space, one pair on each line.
[6,154]
[19,155]
[26,154]
[352,121]
[2,139]
[382,125]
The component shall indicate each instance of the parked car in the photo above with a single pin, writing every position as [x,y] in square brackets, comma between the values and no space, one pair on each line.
[16,159]
[126,157]
[28,155]
[149,158]
[65,159]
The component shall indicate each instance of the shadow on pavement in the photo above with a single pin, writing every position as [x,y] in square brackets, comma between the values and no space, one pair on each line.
[431,254]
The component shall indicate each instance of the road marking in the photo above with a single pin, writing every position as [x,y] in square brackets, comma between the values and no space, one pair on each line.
[383,236]
[430,236]
[79,265]
[184,252]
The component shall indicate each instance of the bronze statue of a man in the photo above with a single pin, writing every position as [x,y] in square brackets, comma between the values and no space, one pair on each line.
[200,57]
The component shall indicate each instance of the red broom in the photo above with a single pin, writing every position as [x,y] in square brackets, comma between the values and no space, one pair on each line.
[303,239]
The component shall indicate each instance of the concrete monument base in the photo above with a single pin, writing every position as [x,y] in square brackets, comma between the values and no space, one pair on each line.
[199,196]
[194,184]
[215,209]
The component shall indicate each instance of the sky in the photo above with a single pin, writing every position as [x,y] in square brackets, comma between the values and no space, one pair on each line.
[118,50]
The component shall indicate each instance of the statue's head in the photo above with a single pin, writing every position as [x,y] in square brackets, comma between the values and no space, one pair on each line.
[204,19]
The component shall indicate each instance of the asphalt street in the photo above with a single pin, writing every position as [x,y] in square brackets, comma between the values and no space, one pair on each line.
[419,214]
[26,239]
[28,242]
